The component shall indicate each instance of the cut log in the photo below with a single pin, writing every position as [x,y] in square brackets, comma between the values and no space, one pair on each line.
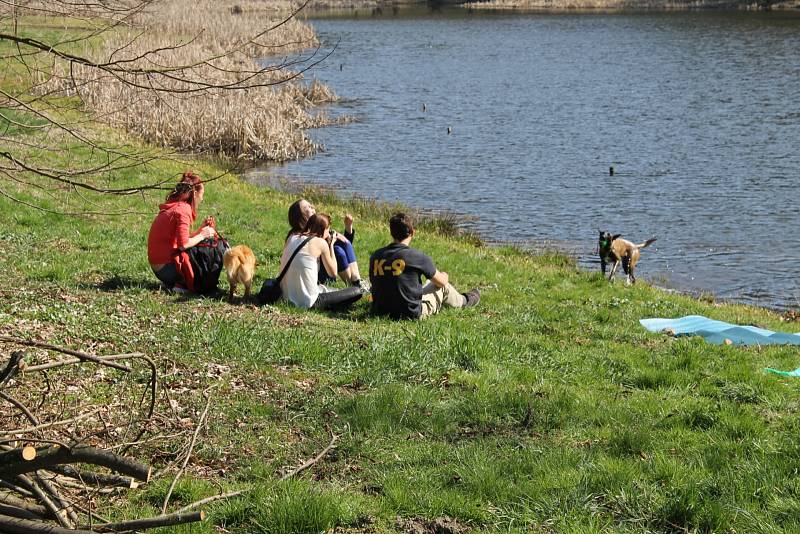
[28,452]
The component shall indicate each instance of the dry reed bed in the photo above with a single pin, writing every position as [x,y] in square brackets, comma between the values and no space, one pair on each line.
[257,123]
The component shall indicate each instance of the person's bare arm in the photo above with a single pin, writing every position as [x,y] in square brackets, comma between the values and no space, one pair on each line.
[326,253]
[204,233]
[440,279]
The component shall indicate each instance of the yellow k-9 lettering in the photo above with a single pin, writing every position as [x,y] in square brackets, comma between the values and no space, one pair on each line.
[396,268]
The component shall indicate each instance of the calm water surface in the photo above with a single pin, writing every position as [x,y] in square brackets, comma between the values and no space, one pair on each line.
[699,113]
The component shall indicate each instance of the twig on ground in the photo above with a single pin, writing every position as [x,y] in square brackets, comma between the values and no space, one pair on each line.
[44,498]
[287,476]
[72,361]
[314,460]
[21,407]
[48,425]
[197,430]
[81,355]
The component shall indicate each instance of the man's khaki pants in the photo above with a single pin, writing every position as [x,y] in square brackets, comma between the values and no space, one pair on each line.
[434,301]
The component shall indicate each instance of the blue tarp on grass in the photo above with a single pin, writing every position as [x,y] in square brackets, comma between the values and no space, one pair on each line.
[717,332]
[796,372]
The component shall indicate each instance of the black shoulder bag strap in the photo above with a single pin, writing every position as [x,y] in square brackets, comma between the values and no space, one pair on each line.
[288,263]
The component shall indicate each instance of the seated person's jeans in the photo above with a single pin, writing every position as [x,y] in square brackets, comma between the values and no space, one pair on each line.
[345,255]
[337,299]
[169,275]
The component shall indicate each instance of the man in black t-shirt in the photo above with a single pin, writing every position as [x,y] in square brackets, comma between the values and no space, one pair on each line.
[396,271]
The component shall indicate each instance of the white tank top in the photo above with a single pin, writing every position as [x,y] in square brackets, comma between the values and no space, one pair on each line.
[300,283]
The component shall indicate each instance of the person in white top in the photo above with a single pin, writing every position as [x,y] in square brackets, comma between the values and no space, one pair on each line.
[343,251]
[300,284]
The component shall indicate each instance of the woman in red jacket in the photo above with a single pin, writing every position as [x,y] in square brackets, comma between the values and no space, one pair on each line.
[170,233]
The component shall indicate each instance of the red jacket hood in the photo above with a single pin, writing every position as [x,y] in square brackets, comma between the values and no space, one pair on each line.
[176,204]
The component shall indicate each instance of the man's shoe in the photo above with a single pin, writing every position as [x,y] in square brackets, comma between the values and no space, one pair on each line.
[363,285]
[473,297]
[178,288]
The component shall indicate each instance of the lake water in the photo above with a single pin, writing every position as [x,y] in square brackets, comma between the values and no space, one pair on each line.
[699,114]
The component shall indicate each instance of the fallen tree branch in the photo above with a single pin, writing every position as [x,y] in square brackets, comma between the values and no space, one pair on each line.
[15,488]
[21,407]
[12,525]
[151,522]
[89,477]
[44,498]
[62,503]
[12,367]
[11,462]
[81,355]
[10,500]
[21,513]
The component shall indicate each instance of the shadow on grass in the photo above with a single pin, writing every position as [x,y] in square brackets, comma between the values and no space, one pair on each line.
[121,282]
[118,282]
[356,313]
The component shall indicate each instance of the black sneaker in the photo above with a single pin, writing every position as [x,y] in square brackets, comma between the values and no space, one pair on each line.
[473,297]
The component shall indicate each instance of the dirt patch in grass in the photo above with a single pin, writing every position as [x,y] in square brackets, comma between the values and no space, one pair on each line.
[440,525]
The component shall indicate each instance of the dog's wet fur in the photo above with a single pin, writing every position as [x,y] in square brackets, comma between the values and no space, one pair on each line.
[615,250]
[240,266]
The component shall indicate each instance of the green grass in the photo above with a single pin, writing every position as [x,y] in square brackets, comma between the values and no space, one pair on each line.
[545,408]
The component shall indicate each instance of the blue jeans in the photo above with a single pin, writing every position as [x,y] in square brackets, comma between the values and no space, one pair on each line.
[345,255]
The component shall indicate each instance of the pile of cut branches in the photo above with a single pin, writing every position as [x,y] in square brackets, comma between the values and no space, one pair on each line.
[68,442]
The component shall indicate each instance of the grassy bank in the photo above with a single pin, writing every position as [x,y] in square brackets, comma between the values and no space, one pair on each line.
[546,407]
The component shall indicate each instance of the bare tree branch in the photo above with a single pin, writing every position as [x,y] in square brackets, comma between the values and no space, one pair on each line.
[72,84]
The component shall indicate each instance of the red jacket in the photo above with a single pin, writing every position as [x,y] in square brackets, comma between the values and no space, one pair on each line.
[168,235]
[169,231]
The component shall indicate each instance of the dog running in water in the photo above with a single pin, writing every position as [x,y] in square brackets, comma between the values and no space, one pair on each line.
[614,249]
[240,266]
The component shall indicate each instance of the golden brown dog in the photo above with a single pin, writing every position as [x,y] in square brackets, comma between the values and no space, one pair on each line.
[614,249]
[240,265]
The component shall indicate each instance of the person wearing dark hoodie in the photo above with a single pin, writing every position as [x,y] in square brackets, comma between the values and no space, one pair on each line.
[170,234]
